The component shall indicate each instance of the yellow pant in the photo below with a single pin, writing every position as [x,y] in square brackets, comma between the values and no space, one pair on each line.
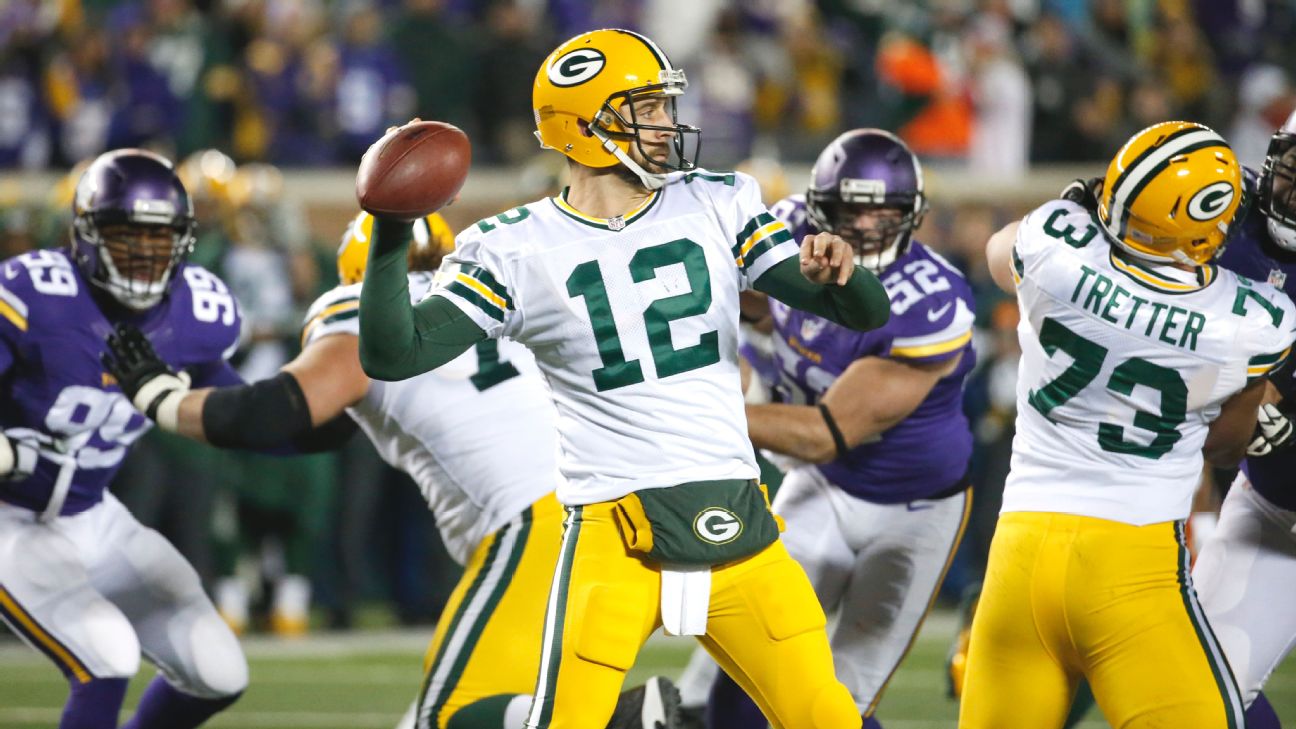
[765,628]
[1068,596]
[488,639]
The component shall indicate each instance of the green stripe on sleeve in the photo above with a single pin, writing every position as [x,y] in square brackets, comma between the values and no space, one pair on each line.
[477,300]
[489,282]
[752,226]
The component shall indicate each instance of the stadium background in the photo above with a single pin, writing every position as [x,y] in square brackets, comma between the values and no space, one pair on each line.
[267,105]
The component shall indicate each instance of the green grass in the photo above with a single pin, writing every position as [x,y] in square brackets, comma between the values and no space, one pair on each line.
[366,680]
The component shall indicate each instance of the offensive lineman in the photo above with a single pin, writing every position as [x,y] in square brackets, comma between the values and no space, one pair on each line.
[1139,357]
[497,516]
[80,579]
[873,512]
[625,287]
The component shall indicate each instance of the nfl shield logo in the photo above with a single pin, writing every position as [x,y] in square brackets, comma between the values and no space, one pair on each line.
[810,328]
[617,223]
[1277,277]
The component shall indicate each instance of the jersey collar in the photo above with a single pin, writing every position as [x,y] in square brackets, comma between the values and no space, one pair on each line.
[614,224]
[1164,278]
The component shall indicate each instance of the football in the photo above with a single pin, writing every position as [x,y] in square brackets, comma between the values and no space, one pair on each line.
[414,170]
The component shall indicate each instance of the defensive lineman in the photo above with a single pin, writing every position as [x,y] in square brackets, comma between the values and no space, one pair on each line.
[1139,356]
[625,287]
[80,579]
[497,516]
[874,512]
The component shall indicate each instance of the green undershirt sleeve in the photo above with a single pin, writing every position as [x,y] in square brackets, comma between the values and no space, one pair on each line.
[862,304]
[399,340]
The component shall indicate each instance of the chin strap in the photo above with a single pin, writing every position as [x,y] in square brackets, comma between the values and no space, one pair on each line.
[650,180]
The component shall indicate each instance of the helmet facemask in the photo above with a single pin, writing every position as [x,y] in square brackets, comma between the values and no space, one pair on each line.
[878,246]
[136,254]
[1277,193]
[611,126]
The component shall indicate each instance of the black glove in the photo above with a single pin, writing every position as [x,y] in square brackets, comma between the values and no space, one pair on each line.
[152,387]
[1083,192]
[1273,431]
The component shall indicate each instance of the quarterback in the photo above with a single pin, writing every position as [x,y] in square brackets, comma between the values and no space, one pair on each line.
[625,287]
[80,579]
[1139,356]
[497,516]
[873,512]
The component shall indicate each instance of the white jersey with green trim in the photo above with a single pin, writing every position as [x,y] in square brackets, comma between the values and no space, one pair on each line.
[478,435]
[1124,366]
[633,322]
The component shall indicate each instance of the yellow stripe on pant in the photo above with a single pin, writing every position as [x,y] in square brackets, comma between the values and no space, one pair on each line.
[765,628]
[1068,596]
[487,641]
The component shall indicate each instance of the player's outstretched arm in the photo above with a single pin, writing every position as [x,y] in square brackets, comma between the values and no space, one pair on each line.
[299,410]
[399,340]
[999,257]
[825,281]
[873,395]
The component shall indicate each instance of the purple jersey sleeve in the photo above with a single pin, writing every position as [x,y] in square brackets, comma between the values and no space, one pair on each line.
[210,318]
[931,308]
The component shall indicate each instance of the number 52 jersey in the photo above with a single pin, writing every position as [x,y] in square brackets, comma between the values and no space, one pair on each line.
[633,322]
[1124,366]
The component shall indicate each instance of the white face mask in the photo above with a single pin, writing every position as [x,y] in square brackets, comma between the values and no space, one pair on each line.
[1283,236]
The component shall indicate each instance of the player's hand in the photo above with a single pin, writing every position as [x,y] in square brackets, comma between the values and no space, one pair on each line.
[1273,431]
[152,387]
[18,455]
[827,259]
[1083,192]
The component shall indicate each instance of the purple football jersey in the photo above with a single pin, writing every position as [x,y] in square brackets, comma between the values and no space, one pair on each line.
[931,321]
[1250,252]
[52,333]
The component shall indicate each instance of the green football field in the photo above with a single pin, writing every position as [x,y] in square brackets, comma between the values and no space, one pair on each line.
[365,680]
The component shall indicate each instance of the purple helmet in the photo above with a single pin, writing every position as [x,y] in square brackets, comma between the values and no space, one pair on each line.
[862,170]
[1277,195]
[132,225]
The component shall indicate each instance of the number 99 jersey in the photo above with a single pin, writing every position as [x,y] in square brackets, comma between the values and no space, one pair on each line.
[633,321]
[52,333]
[1124,366]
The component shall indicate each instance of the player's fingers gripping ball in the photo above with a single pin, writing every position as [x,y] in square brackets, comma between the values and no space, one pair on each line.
[414,170]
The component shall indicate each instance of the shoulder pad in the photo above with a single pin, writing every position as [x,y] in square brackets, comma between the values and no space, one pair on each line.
[337,307]
[200,298]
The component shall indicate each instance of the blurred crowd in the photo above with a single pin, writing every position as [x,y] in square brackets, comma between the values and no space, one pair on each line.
[995,84]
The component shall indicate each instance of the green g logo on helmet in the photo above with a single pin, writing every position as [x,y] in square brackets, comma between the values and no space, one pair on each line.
[577,67]
[1210,201]
[717,526]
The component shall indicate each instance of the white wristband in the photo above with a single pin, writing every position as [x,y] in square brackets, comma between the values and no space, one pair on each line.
[168,411]
[7,460]
[172,389]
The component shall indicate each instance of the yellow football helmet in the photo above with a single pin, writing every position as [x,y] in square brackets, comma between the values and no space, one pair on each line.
[432,240]
[1171,193]
[581,87]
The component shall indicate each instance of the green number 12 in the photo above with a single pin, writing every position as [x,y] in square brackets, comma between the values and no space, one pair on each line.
[586,281]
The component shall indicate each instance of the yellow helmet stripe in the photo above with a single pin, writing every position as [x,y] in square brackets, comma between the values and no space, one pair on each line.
[652,48]
[1137,176]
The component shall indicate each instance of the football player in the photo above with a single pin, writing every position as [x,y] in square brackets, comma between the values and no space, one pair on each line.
[497,516]
[1252,551]
[625,288]
[1139,357]
[80,579]
[873,512]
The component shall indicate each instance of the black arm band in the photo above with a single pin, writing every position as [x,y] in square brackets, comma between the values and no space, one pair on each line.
[327,437]
[838,441]
[257,415]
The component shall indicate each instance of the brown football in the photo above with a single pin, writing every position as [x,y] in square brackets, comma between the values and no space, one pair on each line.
[414,170]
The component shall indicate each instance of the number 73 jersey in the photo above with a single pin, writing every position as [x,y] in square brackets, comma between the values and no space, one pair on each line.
[633,322]
[1124,366]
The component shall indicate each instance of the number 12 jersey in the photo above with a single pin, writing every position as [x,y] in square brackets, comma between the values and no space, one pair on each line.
[1124,366]
[633,322]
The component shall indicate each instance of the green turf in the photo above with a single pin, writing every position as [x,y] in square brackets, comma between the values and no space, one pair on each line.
[366,680]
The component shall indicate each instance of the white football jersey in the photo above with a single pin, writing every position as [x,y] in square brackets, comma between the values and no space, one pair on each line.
[1124,366]
[633,322]
[477,435]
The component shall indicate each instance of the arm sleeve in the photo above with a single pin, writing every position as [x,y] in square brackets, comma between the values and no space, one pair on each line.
[13,324]
[862,304]
[399,340]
